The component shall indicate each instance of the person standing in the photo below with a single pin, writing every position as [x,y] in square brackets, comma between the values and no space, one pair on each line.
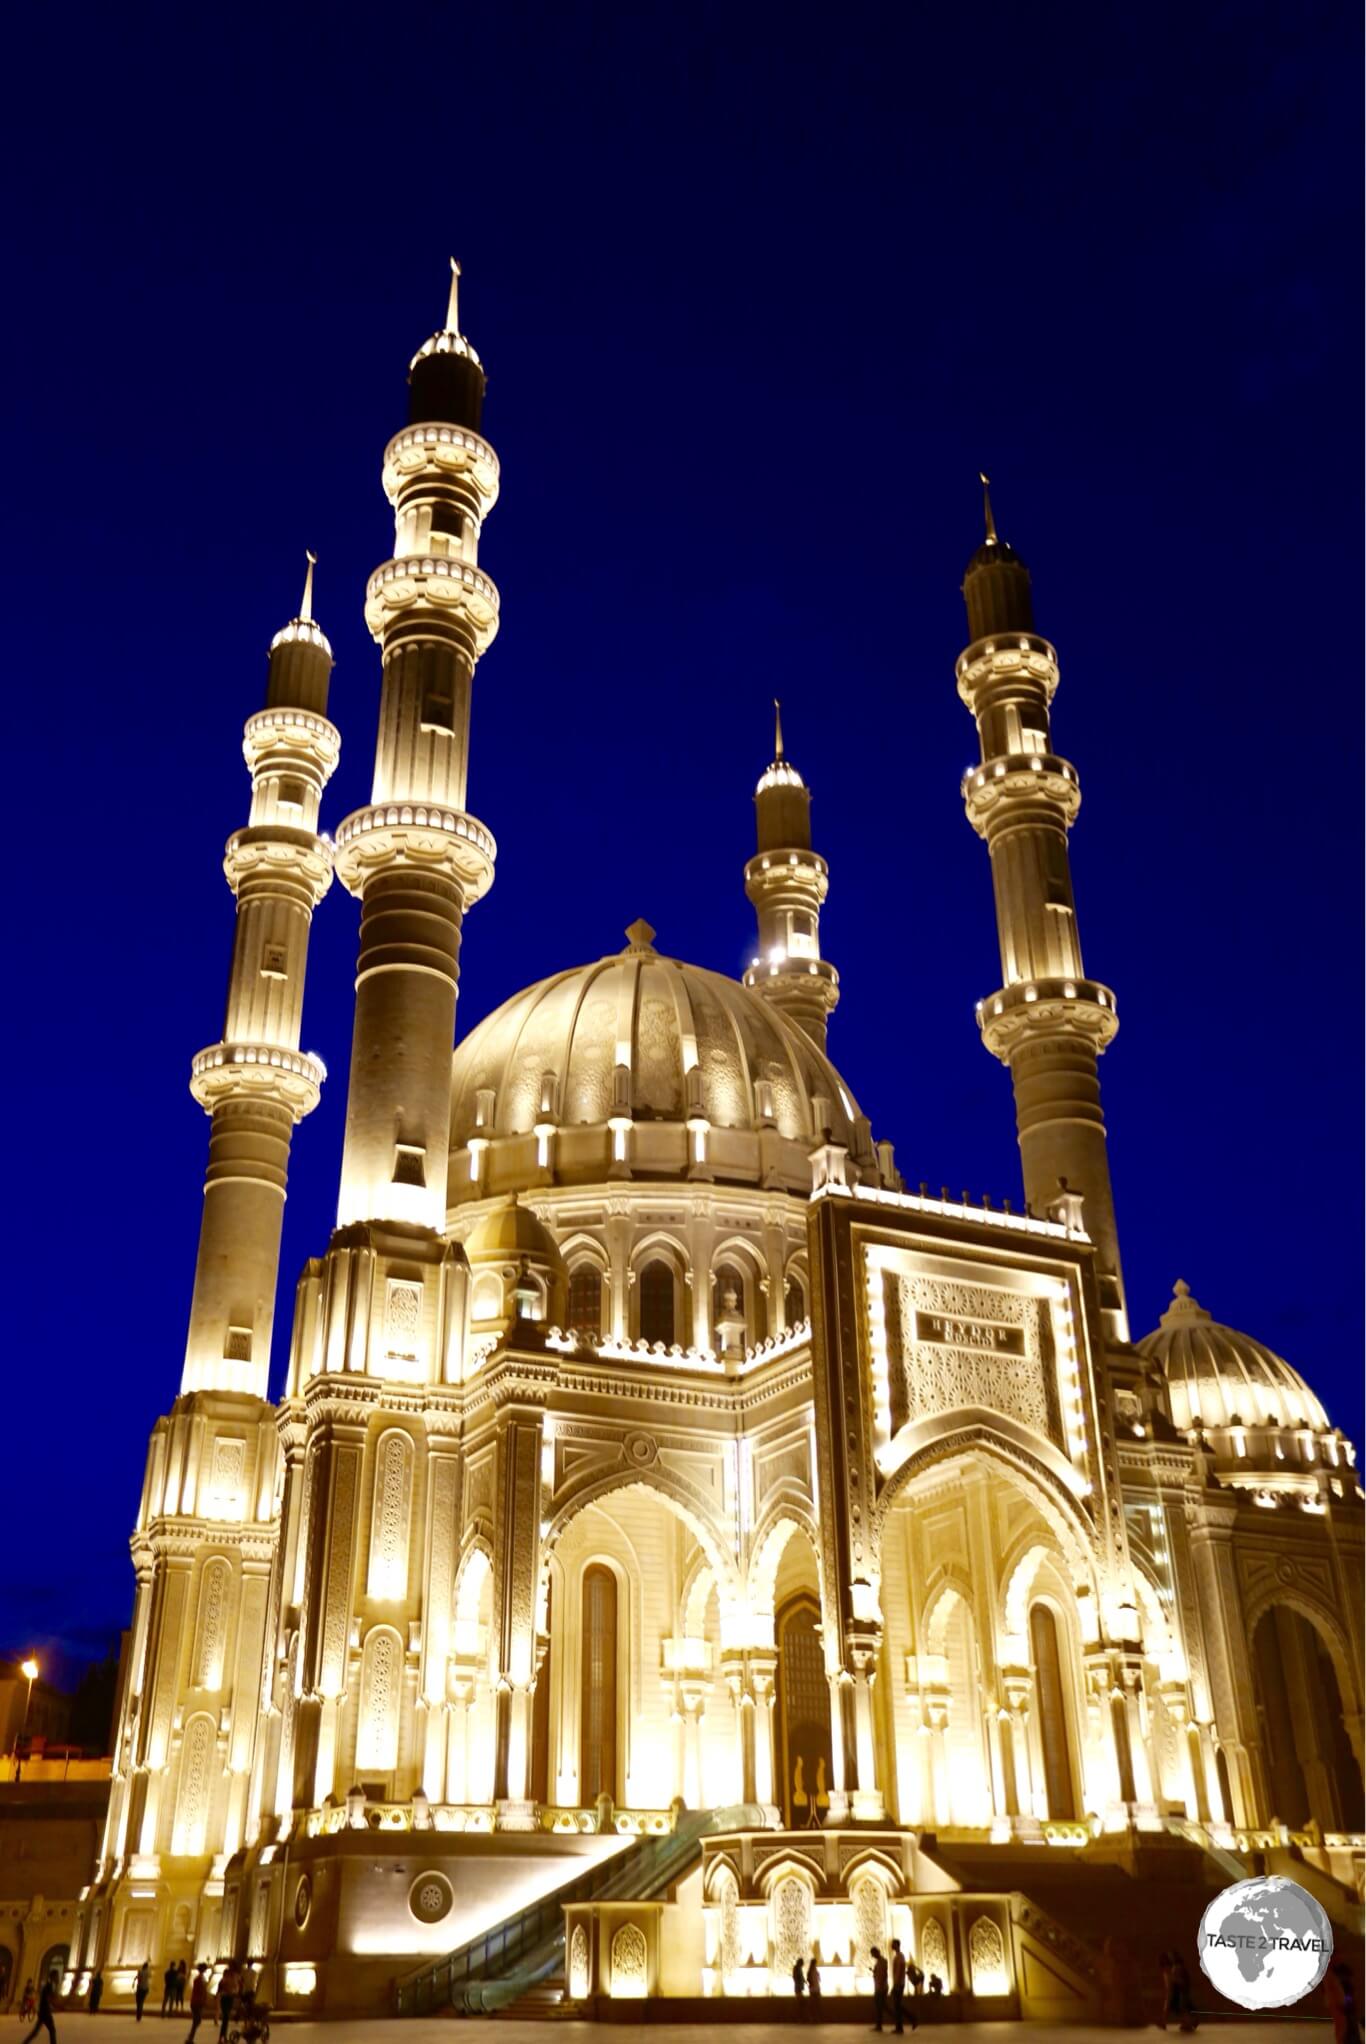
[1179,2000]
[168,1990]
[799,1983]
[199,1999]
[182,1974]
[142,1987]
[44,2021]
[229,1987]
[879,1987]
[898,1987]
[813,1988]
[96,1992]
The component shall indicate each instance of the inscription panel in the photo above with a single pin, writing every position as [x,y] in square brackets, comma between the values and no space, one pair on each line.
[951,1343]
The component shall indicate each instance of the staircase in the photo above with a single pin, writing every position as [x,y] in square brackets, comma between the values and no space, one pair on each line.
[1147,1896]
[517,1961]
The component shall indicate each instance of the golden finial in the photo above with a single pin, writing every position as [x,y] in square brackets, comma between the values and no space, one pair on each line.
[453,308]
[306,607]
[777,729]
[986,500]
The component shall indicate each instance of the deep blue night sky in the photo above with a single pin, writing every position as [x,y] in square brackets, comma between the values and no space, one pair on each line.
[759,291]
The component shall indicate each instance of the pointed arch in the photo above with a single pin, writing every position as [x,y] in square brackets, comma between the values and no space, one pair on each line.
[670,1490]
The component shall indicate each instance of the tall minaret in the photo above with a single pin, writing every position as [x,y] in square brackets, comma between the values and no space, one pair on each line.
[257,1083]
[1047,1023]
[787,882]
[414,857]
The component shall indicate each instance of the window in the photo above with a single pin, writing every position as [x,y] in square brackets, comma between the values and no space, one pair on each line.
[410,1164]
[438,709]
[598,1717]
[728,1300]
[585,1301]
[274,961]
[656,1284]
[290,794]
[794,1300]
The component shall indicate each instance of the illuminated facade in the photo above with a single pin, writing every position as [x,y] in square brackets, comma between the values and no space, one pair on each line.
[646,1445]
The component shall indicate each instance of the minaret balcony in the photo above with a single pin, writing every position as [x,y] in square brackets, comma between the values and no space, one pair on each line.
[814,979]
[421,834]
[447,587]
[286,739]
[1047,1007]
[271,1071]
[801,871]
[275,856]
[1020,777]
[445,451]
[1006,660]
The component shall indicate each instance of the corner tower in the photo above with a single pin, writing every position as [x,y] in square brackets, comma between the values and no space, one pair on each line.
[414,857]
[787,883]
[256,1083]
[1047,1023]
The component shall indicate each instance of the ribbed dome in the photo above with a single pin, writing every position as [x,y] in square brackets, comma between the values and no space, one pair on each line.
[510,1231]
[1218,1378]
[642,1037]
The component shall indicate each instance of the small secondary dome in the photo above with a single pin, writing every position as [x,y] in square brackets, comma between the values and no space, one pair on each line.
[510,1230]
[640,1065]
[1217,1377]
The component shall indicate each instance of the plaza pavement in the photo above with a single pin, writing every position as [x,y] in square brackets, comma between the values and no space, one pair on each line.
[117,2028]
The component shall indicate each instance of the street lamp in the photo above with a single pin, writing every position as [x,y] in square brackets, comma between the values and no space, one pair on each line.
[28,1668]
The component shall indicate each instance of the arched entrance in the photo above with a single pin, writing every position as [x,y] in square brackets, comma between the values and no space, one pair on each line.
[803,1701]
[1312,1771]
[1055,1741]
[630,1699]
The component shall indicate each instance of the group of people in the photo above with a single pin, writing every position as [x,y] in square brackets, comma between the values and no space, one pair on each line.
[238,2000]
[891,1979]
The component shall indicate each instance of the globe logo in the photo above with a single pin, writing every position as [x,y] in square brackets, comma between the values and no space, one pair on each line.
[1264,1944]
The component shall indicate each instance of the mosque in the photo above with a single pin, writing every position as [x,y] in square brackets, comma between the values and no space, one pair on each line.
[680,1546]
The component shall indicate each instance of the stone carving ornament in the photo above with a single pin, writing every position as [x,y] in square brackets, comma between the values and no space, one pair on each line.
[392,1515]
[429,1898]
[934,1949]
[792,1923]
[629,1961]
[869,1898]
[213,1625]
[952,1345]
[578,1964]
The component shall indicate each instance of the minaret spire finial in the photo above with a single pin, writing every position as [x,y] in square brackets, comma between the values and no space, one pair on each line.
[777,729]
[306,607]
[986,502]
[453,308]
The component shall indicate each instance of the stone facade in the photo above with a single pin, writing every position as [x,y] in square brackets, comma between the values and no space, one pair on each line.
[646,1444]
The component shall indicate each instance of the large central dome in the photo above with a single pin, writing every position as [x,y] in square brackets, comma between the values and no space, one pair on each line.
[644,1066]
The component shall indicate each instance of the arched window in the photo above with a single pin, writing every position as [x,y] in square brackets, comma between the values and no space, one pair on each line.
[486,1296]
[1057,1757]
[729,1300]
[585,1301]
[794,1300]
[656,1285]
[598,1707]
